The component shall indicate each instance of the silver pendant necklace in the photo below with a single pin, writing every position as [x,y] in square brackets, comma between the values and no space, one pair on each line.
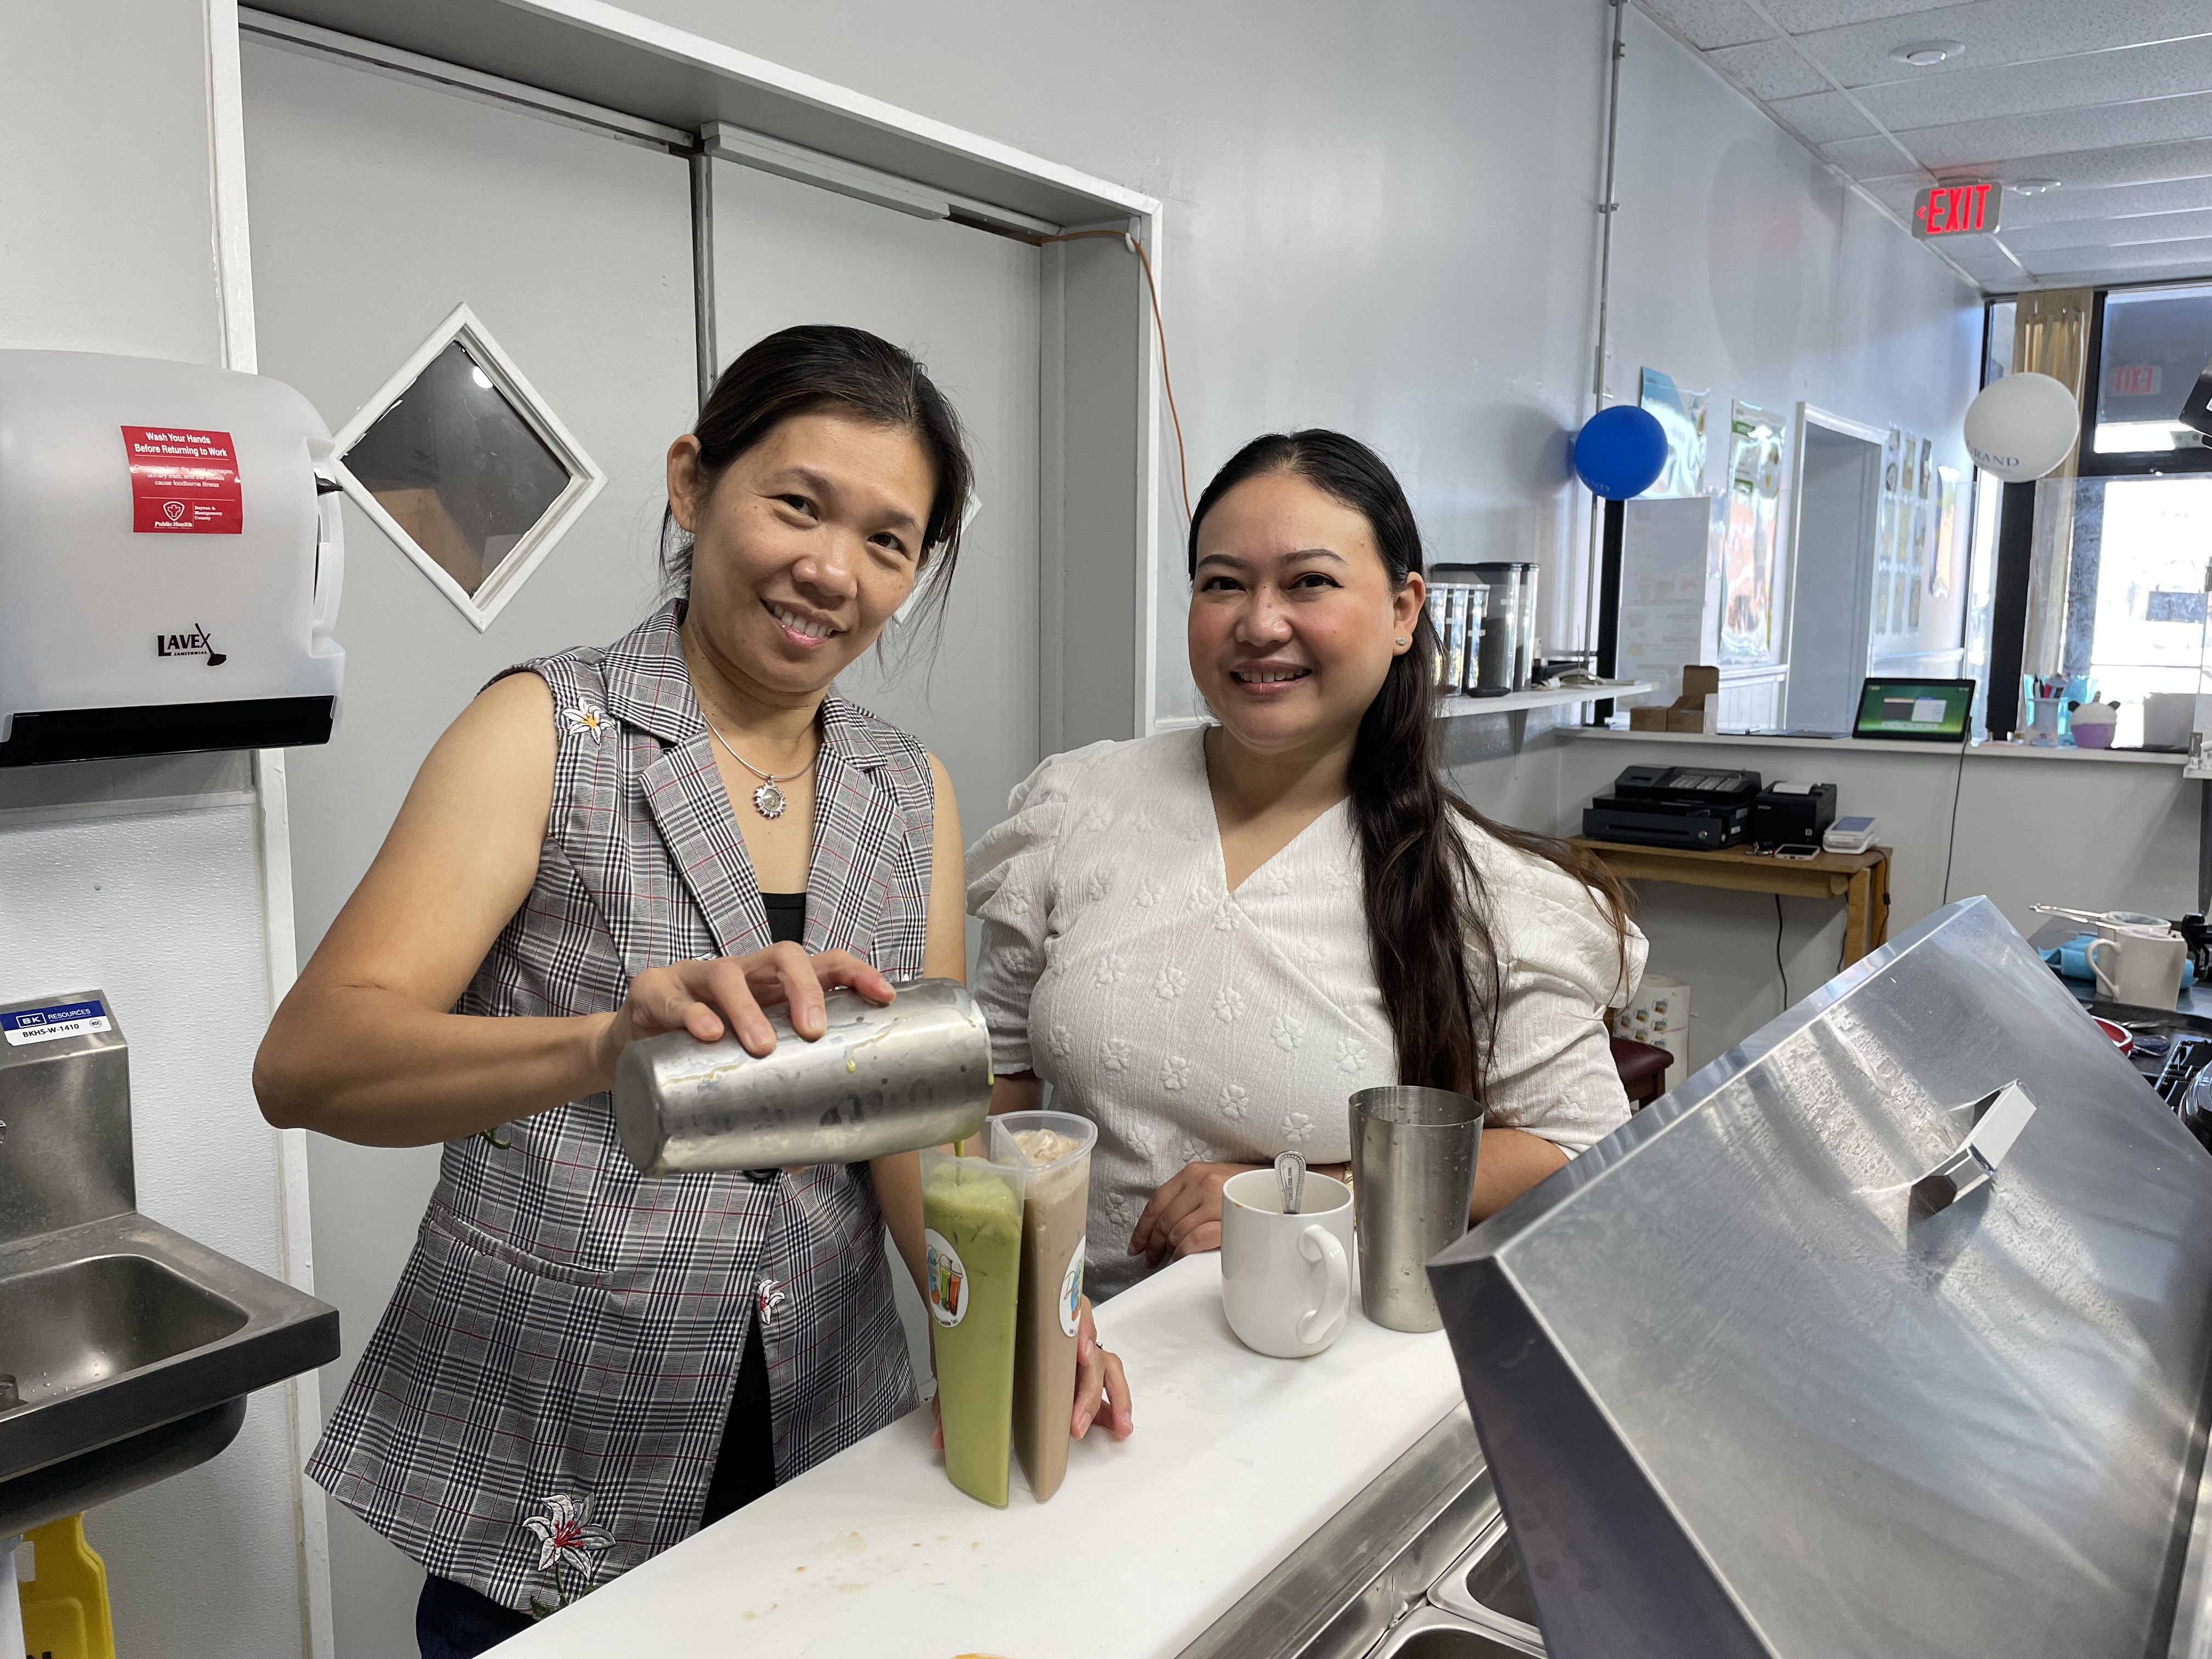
[768,800]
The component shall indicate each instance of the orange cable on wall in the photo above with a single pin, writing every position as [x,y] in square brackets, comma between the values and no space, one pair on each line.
[1159,325]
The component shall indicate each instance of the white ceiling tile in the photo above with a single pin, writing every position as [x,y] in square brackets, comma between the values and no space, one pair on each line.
[1767,70]
[1876,158]
[2127,75]
[1981,259]
[2059,267]
[1898,194]
[1821,117]
[1996,32]
[1977,145]
[1706,24]
[2073,204]
[1803,16]
[2098,169]
[2106,233]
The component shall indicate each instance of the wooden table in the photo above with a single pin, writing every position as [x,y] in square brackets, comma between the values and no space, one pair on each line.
[1860,879]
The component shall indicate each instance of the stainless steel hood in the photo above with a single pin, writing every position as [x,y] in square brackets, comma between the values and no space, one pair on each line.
[1743,1393]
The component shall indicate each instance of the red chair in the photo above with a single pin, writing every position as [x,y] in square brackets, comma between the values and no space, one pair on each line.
[1642,1069]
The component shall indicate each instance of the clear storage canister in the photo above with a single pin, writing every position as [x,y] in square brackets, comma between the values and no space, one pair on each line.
[1525,646]
[1451,647]
[1501,655]
[1470,670]
[1440,610]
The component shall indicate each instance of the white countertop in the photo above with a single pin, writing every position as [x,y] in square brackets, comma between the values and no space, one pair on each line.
[1236,1459]
[1901,750]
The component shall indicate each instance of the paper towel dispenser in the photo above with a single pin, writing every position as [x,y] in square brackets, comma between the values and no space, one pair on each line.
[170,560]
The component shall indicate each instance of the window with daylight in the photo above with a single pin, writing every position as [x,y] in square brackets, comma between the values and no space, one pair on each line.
[465,467]
[2150,345]
[2135,595]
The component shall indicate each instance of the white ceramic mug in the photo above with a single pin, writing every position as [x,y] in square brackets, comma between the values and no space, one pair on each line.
[1285,1280]
[2141,966]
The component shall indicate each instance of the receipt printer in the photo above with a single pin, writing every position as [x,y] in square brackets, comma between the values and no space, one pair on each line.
[1701,807]
[170,557]
[1792,814]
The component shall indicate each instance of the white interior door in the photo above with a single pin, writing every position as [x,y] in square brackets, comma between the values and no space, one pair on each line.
[379,205]
[1831,591]
[966,302]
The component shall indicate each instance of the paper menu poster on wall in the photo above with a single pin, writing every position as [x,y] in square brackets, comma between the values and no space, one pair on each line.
[1669,586]
[1747,565]
[1941,567]
[1682,414]
[1886,607]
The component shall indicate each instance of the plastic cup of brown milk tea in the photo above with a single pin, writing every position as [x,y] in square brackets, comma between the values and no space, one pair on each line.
[1054,1217]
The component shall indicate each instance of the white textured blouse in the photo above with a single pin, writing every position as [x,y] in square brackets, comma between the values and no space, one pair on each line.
[1194,1025]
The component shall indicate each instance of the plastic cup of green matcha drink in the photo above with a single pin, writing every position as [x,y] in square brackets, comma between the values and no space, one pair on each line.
[971,1213]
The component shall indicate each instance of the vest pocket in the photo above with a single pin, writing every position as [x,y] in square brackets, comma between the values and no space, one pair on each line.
[461,1230]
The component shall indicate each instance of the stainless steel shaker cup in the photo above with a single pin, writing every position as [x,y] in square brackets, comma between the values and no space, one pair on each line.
[1413,1175]
[881,1078]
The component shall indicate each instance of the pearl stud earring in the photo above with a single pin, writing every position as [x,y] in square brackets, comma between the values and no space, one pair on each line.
[1402,639]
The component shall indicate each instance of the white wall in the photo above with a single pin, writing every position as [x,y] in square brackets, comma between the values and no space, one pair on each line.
[106,245]
[1744,268]
[1379,218]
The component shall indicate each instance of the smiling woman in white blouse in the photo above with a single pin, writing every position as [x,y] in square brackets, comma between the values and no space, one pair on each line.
[1208,940]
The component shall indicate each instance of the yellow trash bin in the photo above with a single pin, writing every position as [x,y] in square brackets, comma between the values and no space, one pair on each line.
[64,1595]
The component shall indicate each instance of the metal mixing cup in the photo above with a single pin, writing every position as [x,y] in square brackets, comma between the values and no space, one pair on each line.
[881,1080]
[1413,1176]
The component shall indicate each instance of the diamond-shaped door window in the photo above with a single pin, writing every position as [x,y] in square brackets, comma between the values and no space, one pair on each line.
[465,467]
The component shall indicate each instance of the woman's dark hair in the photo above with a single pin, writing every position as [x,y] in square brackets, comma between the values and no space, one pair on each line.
[823,366]
[1438,961]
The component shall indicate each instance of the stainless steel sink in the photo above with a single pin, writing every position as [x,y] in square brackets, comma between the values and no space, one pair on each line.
[1418,1565]
[1485,1586]
[126,1350]
[1432,1634]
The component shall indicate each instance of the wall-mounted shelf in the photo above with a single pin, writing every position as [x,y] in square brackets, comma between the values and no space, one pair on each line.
[1551,697]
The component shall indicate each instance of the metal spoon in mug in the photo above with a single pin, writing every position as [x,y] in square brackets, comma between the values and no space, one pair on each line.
[1291,1176]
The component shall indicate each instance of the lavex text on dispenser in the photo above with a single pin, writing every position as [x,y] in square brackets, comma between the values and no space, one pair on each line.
[170,556]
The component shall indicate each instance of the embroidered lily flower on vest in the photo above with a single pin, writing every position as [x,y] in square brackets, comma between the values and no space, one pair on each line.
[562,1529]
[586,721]
[772,1296]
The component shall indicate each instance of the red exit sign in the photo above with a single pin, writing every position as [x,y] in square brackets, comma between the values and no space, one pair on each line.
[1956,209]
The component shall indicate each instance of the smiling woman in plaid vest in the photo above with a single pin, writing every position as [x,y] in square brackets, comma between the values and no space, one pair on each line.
[580,1366]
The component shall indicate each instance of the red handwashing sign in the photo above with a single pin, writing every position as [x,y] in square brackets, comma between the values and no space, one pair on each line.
[183,481]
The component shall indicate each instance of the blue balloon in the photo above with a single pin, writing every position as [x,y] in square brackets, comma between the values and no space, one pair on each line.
[1621,451]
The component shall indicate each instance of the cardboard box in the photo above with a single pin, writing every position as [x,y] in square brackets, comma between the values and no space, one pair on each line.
[1696,710]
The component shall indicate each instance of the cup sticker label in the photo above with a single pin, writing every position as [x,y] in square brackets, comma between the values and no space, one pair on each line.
[183,481]
[55,1021]
[947,1277]
[1071,1291]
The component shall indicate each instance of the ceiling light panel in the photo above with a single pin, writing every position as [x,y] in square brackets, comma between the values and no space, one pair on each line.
[1706,24]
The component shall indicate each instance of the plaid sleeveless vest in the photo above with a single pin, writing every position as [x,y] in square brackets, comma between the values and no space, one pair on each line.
[566,1329]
